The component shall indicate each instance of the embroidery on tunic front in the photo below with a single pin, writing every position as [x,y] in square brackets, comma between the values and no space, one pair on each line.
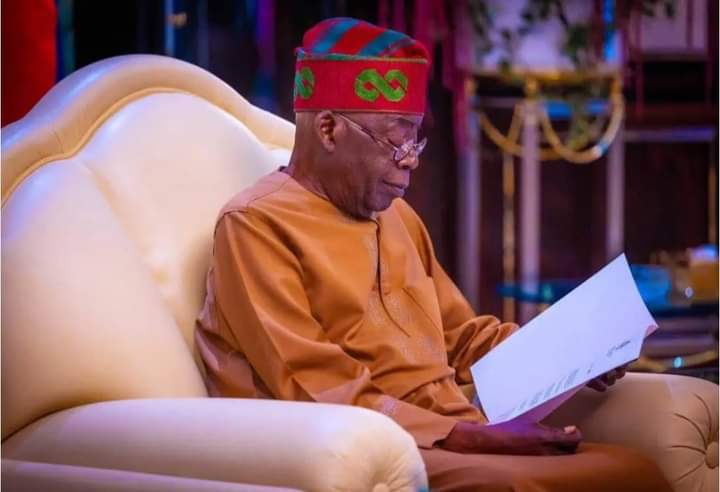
[400,313]
[433,349]
[418,349]
[376,311]
[384,271]
[370,243]
[396,311]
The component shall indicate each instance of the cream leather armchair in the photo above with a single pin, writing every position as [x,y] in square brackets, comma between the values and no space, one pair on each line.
[110,188]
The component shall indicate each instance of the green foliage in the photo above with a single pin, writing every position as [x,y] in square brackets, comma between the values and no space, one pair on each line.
[576,46]
[577,43]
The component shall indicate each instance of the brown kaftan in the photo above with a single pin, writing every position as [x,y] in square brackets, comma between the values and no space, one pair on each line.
[306,303]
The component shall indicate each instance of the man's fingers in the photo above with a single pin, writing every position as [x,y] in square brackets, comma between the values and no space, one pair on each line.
[568,448]
[609,378]
[571,435]
[567,436]
[612,376]
[597,384]
[619,372]
[601,383]
[556,450]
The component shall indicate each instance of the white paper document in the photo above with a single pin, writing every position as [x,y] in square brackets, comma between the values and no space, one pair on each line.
[597,327]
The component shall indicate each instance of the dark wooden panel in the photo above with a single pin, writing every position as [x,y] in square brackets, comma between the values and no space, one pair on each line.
[666,203]
[668,115]
[491,216]
[572,223]
[434,182]
[491,240]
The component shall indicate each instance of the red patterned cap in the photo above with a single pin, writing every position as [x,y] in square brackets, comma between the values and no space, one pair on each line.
[351,65]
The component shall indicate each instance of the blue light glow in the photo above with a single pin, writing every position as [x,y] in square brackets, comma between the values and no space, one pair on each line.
[610,45]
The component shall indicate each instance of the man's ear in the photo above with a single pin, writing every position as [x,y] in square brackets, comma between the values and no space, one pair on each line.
[327,128]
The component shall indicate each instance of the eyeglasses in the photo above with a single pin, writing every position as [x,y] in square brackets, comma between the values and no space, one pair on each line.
[399,152]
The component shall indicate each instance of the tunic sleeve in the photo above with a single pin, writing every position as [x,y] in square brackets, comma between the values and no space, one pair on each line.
[467,336]
[261,296]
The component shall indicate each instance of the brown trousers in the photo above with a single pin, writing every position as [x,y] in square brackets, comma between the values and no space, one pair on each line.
[594,468]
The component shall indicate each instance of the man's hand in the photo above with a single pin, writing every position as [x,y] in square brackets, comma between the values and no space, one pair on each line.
[518,438]
[601,383]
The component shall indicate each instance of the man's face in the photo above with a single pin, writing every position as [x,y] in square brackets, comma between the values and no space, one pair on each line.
[364,177]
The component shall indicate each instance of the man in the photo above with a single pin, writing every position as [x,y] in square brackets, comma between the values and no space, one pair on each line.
[324,285]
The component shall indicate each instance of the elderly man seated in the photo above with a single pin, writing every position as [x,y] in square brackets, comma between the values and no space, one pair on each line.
[324,285]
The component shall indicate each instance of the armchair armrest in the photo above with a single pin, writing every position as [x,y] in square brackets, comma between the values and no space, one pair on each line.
[309,446]
[673,419]
[28,476]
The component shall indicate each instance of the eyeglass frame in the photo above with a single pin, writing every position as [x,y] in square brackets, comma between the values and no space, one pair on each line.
[404,150]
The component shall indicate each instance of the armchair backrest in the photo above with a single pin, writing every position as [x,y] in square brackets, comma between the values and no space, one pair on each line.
[111,186]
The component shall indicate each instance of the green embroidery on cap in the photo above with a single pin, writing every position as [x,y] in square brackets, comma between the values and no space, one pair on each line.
[304,55]
[381,85]
[304,82]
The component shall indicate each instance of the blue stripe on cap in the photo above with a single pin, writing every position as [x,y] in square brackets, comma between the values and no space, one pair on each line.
[332,35]
[378,45]
[401,43]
